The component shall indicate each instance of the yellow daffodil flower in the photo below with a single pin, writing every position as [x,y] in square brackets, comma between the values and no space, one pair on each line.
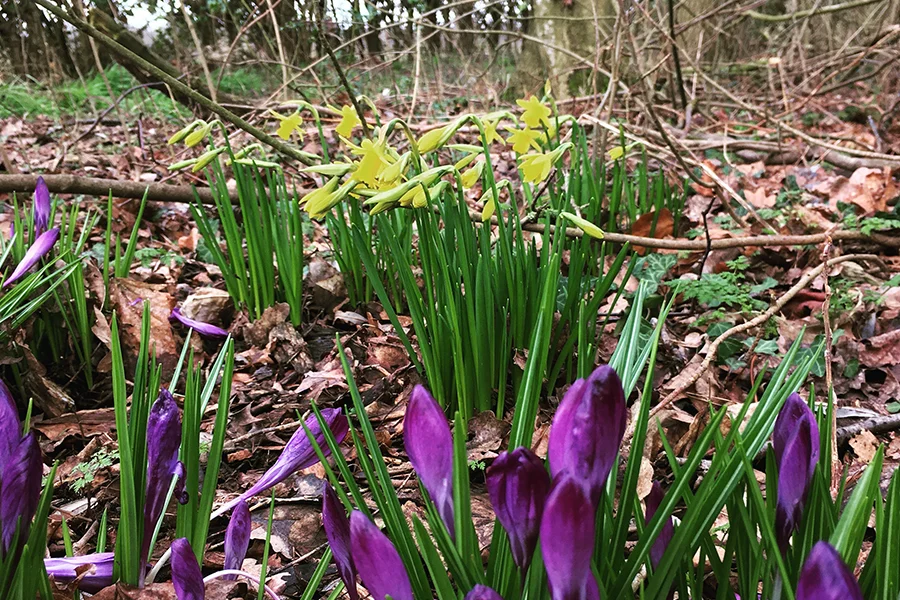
[373,161]
[473,175]
[489,207]
[584,225]
[392,173]
[523,140]
[318,206]
[317,194]
[490,132]
[431,140]
[536,167]
[182,133]
[616,152]
[349,121]
[288,125]
[197,135]
[535,112]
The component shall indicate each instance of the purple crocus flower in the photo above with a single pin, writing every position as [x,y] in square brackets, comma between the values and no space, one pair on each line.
[41,207]
[298,453]
[377,561]
[653,500]
[237,537]
[796,441]
[482,592]
[518,485]
[567,542]
[337,530]
[186,574]
[429,445]
[36,252]
[10,428]
[92,572]
[198,326]
[163,444]
[825,576]
[588,429]
[20,490]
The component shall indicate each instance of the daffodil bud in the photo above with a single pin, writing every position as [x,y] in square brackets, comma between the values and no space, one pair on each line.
[198,134]
[206,158]
[184,132]
[584,225]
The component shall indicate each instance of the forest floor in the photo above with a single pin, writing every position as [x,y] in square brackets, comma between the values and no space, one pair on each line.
[280,369]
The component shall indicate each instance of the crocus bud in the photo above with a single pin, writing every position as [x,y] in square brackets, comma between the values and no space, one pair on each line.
[298,453]
[796,441]
[36,252]
[200,327]
[20,490]
[10,428]
[237,536]
[587,431]
[518,485]
[91,572]
[186,574]
[653,500]
[41,207]
[482,592]
[429,445]
[379,565]
[825,576]
[567,542]
[163,443]
[337,530]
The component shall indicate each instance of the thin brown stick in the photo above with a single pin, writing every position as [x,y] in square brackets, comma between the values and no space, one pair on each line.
[879,424]
[93,186]
[758,320]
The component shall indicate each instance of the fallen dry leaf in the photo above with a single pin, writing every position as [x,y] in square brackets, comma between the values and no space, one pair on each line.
[865,445]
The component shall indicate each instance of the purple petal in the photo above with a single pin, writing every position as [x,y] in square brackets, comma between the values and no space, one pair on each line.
[429,445]
[796,442]
[20,489]
[41,208]
[337,530]
[299,453]
[377,561]
[653,500]
[482,592]
[237,536]
[163,443]
[825,576]
[92,571]
[10,428]
[36,252]
[198,326]
[518,484]
[588,429]
[186,575]
[567,542]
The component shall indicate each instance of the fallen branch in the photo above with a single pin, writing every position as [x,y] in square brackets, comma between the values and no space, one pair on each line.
[93,186]
[879,424]
[758,320]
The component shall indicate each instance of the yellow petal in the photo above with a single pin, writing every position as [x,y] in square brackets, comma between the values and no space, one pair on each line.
[524,140]
[431,140]
[534,112]
[349,120]
[488,211]
[289,125]
[616,152]
[473,175]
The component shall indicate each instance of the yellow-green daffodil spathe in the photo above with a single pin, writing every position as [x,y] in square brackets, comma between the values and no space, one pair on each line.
[472,176]
[535,112]
[536,167]
[584,225]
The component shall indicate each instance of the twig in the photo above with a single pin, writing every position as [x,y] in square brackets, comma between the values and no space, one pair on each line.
[879,424]
[109,108]
[343,77]
[279,45]
[800,14]
[186,90]
[836,466]
[418,72]
[199,48]
[758,320]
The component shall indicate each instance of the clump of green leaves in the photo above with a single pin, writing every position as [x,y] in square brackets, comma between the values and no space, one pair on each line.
[729,289]
[85,472]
